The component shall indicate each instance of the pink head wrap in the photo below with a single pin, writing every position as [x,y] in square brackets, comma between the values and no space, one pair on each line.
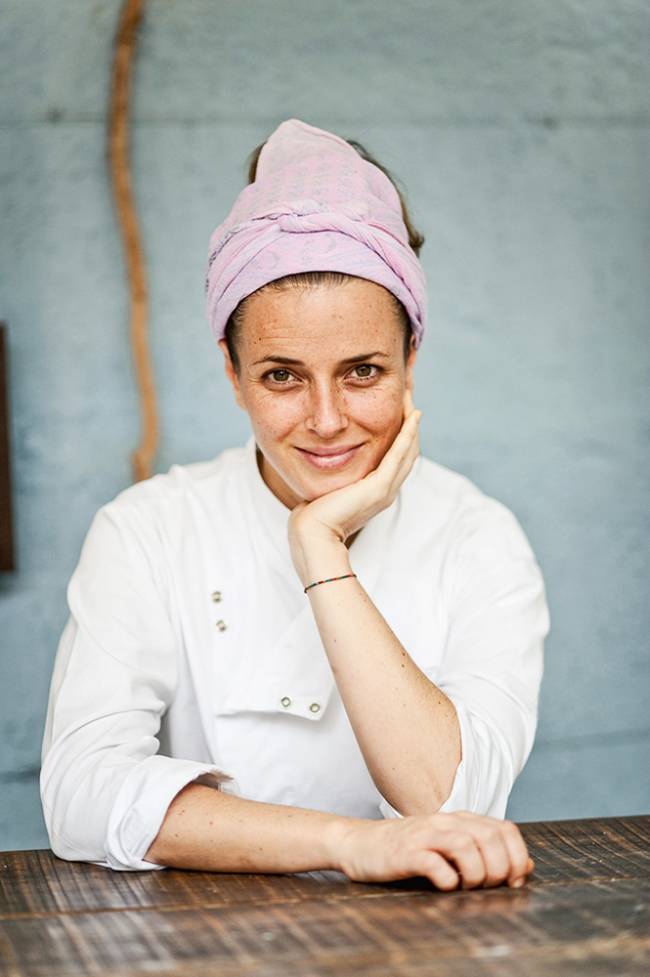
[315,205]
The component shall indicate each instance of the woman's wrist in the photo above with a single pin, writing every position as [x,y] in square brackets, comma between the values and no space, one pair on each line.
[335,840]
[319,559]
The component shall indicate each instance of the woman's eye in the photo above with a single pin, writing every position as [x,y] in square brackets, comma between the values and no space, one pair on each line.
[279,376]
[363,373]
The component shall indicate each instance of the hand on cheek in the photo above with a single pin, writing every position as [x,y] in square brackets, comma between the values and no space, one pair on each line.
[333,517]
[408,402]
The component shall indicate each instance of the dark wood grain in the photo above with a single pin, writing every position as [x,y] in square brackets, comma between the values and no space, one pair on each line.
[584,911]
[593,848]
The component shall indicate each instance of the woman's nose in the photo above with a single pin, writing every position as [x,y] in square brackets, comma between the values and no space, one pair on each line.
[326,411]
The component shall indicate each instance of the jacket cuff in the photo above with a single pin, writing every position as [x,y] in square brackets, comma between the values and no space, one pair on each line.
[141,805]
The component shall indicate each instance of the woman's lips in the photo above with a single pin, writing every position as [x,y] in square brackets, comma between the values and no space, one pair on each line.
[329,462]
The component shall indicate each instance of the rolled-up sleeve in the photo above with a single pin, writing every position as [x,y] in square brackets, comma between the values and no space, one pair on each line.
[498,619]
[104,788]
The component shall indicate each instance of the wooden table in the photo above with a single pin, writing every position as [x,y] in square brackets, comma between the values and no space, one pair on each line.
[585,911]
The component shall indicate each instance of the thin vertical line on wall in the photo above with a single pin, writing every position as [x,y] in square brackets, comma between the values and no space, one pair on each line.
[7,560]
[118,151]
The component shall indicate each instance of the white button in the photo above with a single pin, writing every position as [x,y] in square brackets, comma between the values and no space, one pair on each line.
[285,700]
[314,707]
[216,596]
[222,625]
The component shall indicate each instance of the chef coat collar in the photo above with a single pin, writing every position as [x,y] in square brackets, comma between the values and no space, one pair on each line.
[272,507]
[269,512]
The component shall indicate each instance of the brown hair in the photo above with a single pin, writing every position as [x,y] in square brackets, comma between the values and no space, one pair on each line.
[306,279]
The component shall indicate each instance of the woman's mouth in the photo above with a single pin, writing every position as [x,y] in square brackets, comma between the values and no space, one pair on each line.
[331,461]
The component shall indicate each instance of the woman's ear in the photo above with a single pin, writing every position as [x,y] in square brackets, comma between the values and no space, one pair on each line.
[231,373]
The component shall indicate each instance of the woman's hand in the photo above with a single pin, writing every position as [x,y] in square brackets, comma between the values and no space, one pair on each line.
[333,517]
[453,850]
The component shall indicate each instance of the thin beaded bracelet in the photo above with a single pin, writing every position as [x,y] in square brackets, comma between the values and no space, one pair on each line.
[329,580]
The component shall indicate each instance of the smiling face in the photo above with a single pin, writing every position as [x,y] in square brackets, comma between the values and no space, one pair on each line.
[322,377]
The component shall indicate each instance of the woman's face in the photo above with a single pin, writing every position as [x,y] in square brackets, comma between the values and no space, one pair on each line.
[322,377]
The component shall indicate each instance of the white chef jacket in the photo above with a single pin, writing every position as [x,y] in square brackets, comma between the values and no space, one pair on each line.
[191,653]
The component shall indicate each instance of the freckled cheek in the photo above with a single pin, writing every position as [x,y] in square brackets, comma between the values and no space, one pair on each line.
[275,416]
[377,411]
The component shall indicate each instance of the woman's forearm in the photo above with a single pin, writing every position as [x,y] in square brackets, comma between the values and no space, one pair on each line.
[209,830]
[406,727]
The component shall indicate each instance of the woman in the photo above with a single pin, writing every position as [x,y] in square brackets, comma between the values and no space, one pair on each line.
[320,650]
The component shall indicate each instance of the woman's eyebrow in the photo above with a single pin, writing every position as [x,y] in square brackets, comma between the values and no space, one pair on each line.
[289,362]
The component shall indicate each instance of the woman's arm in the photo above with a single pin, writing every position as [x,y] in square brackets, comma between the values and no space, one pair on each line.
[211,830]
[208,830]
[406,727]
[412,732]
[104,786]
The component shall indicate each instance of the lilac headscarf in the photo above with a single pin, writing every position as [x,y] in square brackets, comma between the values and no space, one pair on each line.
[315,205]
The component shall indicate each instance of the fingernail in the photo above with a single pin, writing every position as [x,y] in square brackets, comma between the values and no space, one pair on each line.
[517,884]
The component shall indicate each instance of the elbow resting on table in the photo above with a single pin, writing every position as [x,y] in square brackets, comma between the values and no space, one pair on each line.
[425,800]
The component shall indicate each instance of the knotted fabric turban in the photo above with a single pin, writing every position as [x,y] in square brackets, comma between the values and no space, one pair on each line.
[315,205]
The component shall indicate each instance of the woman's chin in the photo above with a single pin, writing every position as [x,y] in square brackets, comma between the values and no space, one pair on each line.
[325,482]
[295,482]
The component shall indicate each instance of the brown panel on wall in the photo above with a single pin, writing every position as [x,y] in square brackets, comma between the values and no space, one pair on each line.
[6,531]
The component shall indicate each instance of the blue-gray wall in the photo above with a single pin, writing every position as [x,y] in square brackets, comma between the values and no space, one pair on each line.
[520,131]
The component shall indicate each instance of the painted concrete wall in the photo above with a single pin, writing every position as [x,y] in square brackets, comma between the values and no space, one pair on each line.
[520,131]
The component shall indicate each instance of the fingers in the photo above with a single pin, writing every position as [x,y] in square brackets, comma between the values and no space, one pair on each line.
[462,850]
[521,879]
[410,430]
[405,448]
[494,852]
[399,458]
[434,867]
[520,861]
[409,406]
[501,847]
[497,834]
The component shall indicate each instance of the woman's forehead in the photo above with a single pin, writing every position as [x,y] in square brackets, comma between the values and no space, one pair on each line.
[313,342]
[359,311]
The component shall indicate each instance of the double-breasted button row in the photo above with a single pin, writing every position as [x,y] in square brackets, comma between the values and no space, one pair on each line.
[286,702]
[217,597]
